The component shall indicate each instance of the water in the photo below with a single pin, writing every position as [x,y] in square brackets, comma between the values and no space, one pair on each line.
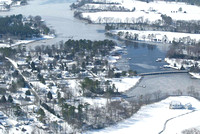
[142,57]
[167,84]
[58,16]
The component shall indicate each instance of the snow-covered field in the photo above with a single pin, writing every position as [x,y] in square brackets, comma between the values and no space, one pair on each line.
[125,83]
[159,36]
[150,119]
[146,11]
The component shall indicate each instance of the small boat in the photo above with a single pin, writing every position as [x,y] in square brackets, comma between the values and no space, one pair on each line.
[159,60]
[128,58]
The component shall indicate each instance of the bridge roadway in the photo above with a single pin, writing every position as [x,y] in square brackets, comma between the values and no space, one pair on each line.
[163,72]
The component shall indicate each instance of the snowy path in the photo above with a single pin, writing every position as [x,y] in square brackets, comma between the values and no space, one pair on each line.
[165,125]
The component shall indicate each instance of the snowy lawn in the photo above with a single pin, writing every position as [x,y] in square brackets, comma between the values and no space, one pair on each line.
[152,117]
[195,75]
[159,35]
[125,83]
[113,59]
[147,11]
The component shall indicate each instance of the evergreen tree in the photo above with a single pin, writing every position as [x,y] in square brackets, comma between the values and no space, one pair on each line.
[10,99]
[33,65]
[28,92]
[49,95]
[3,99]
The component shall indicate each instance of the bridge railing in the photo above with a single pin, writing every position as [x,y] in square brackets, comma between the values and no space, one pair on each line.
[164,72]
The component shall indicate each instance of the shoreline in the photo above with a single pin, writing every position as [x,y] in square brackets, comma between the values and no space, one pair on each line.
[27,42]
[137,41]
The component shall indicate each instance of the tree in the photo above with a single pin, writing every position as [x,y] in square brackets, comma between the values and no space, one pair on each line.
[40,77]
[123,73]
[61,101]
[10,99]
[80,112]
[49,95]
[71,112]
[110,73]
[28,92]
[38,19]
[58,95]
[180,9]
[42,114]
[83,65]
[74,68]
[182,68]
[92,86]
[3,99]
[18,110]
[51,66]
[33,65]
[167,19]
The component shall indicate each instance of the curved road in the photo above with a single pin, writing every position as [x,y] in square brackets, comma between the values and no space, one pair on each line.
[164,127]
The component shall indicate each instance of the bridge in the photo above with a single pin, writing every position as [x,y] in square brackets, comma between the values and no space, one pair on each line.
[164,72]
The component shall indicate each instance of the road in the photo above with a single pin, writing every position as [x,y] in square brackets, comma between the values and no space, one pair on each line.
[38,100]
[37,97]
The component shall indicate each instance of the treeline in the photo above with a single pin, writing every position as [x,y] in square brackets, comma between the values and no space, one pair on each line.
[182,51]
[166,24]
[192,2]
[96,47]
[79,47]
[83,2]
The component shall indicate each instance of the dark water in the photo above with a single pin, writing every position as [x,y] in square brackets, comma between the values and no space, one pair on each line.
[142,57]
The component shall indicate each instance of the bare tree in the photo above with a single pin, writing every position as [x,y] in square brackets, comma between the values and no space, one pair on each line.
[147,98]
[157,94]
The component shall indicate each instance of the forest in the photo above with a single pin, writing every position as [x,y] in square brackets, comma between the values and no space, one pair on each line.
[21,27]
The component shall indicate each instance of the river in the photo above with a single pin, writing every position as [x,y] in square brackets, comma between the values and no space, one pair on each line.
[167,84]
[141,57]
[59,17]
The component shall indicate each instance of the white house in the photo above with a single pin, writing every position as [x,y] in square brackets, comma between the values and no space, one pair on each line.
[175,105]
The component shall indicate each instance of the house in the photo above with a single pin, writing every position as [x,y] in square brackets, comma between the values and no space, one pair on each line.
[175,105]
